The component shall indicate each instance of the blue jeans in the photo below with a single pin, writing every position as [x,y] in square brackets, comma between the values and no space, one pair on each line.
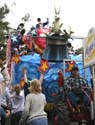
[82,97]
[39,121]
[2,115]
[15,118]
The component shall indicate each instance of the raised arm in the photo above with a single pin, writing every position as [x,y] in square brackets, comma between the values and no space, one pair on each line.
[4,72]
[25,74]
[41,77]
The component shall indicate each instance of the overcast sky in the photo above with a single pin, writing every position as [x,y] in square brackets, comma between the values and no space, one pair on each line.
[78,14]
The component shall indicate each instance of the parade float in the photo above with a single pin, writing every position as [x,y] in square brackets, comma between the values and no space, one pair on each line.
[52,57]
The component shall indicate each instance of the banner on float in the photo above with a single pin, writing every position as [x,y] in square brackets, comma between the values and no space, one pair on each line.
[89,50]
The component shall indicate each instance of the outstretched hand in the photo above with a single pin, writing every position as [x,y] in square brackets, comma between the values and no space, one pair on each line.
[25,74]
[41,77]
[7,113]
[24,71]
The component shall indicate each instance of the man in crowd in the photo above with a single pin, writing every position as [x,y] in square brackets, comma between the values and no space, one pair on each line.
[77,90]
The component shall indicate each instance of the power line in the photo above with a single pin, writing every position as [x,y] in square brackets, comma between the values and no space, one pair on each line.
[77,37]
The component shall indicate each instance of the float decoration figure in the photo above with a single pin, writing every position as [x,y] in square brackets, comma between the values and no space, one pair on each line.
[56,29]
[44,66]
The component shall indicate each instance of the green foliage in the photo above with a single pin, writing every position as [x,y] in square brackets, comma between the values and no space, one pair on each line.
[4,28]
[79,51]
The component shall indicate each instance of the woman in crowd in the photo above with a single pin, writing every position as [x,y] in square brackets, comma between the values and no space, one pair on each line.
[34,113]
[4,82]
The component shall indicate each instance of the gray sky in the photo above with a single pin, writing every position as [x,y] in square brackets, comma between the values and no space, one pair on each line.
[78,14]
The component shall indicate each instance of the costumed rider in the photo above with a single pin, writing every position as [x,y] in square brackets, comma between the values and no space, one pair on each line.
[40,23]
[39,42]
[22,49]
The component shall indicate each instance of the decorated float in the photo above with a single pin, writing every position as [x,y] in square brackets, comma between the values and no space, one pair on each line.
[48,53]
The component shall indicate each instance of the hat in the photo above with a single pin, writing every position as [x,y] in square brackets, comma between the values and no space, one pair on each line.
[75,68]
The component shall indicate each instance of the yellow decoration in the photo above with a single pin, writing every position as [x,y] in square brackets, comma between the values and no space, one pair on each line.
[44,65]
[69,66]
[16,58]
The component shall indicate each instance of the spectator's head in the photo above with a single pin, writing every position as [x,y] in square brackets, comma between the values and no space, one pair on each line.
[75,68]
[75,71]
[17,89]
[35,86]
